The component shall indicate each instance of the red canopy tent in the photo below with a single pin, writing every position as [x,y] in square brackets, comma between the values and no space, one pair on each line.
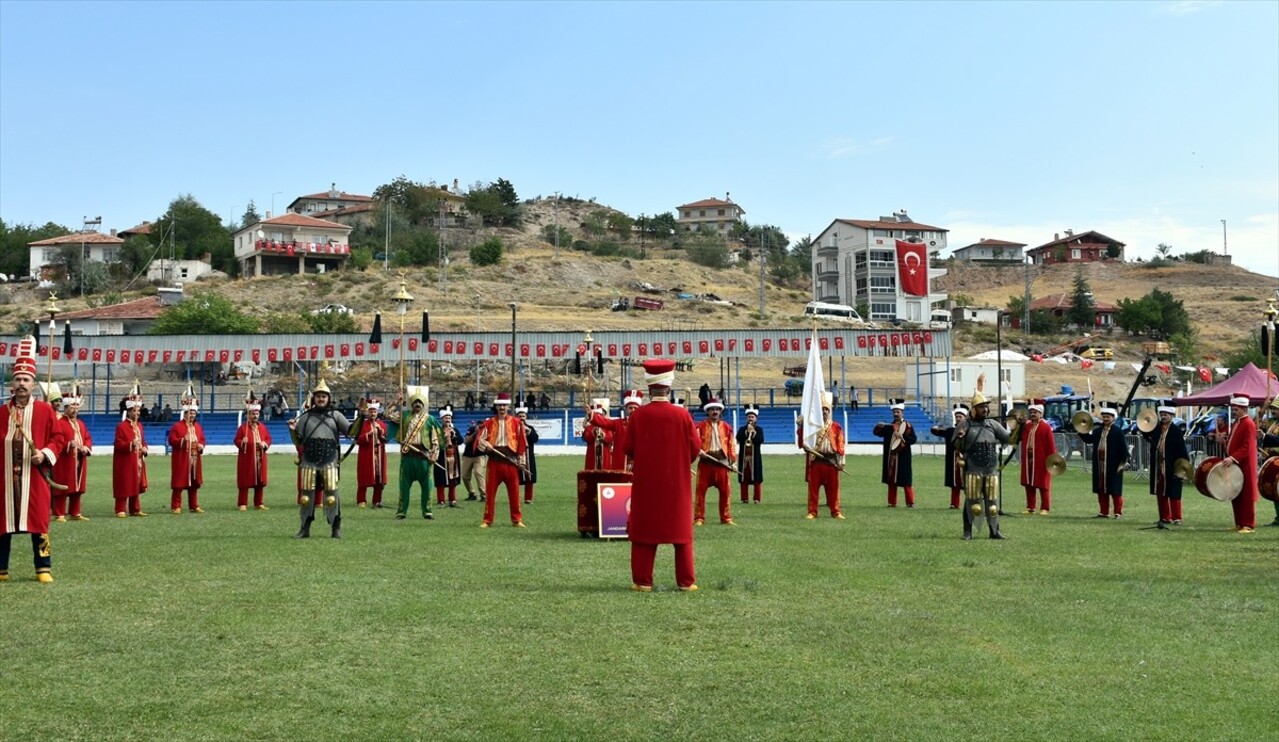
[1249,382]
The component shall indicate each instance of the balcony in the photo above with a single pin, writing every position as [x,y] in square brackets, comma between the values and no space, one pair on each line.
[828,249]
[827,274]
[290,249]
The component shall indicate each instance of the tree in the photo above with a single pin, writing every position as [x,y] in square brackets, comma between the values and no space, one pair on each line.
[251,216]
[135,255]
[663,226]
[707,250]
[621,224]
[1083,310]
[361,258]
[15,255]
[204,314]
[548,234]
[1163,249]
[286,323]
[596,223]
[417,202]
[192,231]
[1158,314]
[496,204]
[331,322]
[488,252]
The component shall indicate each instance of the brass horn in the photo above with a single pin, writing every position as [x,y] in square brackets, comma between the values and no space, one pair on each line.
[1056,464]
[1082,421]
[1184,470]
[1147,420]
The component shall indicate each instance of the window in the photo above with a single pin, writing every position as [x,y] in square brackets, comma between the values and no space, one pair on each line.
[883,311]
[687,214]
[701,212]
[883,284]
[721,212]
[861,285]
[882,233]
[1007,376]
[956,375]
[1074,253]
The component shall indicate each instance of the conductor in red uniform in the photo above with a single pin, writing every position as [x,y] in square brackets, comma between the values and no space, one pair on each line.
[1037,445]
[661,442]
[32,439]
[252,440]
[129,462]
[186,469]
[718,449]
[1241,448]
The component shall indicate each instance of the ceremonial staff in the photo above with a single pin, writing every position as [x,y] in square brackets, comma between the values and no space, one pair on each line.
[53,309]
[375,338]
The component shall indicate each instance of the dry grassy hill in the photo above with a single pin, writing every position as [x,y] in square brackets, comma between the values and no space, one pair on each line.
[575,291]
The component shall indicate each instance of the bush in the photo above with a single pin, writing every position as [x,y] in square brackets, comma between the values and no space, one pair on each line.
[488,252]
[709,254]
[361,258]
[605,249]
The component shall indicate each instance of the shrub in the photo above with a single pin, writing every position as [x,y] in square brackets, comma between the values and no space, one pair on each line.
[488,252]
[361,258]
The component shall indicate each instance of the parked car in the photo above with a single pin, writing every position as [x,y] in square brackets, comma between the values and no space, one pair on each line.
[333,309]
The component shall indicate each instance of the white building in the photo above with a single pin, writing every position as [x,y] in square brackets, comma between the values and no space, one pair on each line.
[94,246]
[709,214]
[957,380]
[855,263]
[291,243]
[976,315]
[179,271]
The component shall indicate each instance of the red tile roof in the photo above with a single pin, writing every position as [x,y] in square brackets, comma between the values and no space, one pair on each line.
[1066,301]
[344,211]
[707,203]
[997,243]
[299,220]
[143,228]
[148,307]
[76,238]
[915,226]
[1090,237]
[341,196]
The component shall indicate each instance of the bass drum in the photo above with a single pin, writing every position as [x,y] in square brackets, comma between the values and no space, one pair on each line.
[1201,474]
[1224,481]
[1268,479]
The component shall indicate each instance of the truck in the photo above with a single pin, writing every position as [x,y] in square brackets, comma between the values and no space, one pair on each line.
[644,302]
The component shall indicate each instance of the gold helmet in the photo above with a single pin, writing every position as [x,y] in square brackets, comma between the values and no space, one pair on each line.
[322,388]
[978,397]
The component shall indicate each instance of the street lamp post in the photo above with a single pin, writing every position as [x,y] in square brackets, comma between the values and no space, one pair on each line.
[402,301]
[53,309]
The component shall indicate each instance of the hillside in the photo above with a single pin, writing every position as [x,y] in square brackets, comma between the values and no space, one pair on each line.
[576,290]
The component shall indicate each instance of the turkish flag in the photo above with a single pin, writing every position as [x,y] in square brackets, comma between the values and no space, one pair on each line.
[912,268]
[1204,374]
[1166,368]
[1085,363]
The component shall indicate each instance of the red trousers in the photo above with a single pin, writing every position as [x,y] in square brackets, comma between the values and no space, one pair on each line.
[1103,502]
[243,499]
[1245,509]
[377,494]
[439,493]
[643,555]
[193,498]
[759,487]
[500,472]
[822,476]
[712,475]
[133,505]
[60,504]
[892,496]
[955,493]
[1045,498]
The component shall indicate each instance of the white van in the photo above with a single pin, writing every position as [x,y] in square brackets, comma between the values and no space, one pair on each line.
[841,312]
[940,320]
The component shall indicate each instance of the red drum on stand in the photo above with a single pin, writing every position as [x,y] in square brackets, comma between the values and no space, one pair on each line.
[1201,474]
[588,510]
[1221,480]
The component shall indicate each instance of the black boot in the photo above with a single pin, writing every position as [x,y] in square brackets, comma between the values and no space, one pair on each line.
[305,530]
[337,527]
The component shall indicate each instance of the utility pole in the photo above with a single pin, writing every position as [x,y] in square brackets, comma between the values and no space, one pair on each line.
[386,247]
[1025,310]
[95,222]
[763,260]
[444,253]
[1224,251]
[556,210]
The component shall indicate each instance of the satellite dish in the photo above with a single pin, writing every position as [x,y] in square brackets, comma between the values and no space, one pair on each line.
[261,235]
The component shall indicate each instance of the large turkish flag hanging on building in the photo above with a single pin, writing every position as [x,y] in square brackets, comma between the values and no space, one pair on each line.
[912,268]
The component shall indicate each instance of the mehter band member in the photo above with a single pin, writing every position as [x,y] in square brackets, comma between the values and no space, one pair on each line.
[528,475]
[186,465]
[750,456]
[979,443]
[1037,445]
[31,439]
[1241,448]
[448,465]
[1167,447]
[718,453]
[419,438]
[1109,459]
[898,436]
[370,456]
[825,462]
[501,438]
[954,475]
[129,461]
[72,469]
[252,440]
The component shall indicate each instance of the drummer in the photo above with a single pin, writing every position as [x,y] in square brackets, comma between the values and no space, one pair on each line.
[1241,450]
[1167,447]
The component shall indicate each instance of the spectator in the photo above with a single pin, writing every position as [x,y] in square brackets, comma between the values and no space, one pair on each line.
[852,397]
[545,401]
[530,401]
[470,401]
[166,414]
[484,400]
[704,393]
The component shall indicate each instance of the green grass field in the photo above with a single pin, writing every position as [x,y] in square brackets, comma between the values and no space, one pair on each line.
[885,626]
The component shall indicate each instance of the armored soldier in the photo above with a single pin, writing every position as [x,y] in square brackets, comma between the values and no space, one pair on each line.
[979,443]
[318,431]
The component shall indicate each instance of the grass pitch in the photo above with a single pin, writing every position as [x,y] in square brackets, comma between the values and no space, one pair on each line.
[886,625]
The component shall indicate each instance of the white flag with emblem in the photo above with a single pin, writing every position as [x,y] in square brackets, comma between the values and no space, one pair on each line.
[814,386]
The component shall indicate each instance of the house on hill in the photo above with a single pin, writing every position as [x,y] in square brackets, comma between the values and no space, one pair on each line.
[993,252]
[1059,304]
[327,201]
[855,262]
[1089,247]
[291,243]
[45,254]
[142,229]
[127,318]
[709,214]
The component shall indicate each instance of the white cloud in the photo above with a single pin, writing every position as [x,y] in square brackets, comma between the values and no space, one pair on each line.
[1186,7]
[846,147]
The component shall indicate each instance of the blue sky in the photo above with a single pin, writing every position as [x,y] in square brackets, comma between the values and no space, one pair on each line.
[1147,121]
